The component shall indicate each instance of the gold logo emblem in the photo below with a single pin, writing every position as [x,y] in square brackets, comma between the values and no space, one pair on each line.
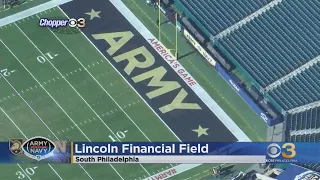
[15,146]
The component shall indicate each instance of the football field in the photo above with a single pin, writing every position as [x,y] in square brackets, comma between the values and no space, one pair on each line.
[58,85]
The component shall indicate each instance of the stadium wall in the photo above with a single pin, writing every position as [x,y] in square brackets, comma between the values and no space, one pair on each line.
[231,80]
[244,95]
[267,97]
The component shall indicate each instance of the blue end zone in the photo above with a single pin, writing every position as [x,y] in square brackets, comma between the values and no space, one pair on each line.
[182,121]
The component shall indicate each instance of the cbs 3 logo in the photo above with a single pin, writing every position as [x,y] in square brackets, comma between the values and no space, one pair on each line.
[274,150]
[81,22]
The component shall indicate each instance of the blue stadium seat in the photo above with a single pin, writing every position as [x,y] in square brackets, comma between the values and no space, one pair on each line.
[218,15]
[271,46]
[301,89]
[307,121]
[276,43]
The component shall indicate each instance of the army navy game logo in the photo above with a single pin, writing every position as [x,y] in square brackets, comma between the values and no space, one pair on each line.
[15,146]
[38,148]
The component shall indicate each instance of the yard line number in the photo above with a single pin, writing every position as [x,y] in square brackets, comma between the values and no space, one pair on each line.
[27,172]
[6,72]
[43,59]
[119,135]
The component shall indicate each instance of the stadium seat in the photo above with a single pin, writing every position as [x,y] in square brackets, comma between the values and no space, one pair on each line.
[271,46]
[218,15]
[279,41]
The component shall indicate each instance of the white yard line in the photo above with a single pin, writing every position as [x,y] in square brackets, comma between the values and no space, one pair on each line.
[97,115]
[26,174]
[98,83]
[125,80]
[3,98]
[50,97]
[26,138]
[31,11]
[63,77]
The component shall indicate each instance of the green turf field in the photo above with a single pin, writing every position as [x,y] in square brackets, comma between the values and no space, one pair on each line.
[4,12]
[251,124]
[58,85]
[254,127]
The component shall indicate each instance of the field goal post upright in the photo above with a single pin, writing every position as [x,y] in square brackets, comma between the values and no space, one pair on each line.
[176,29]
[176,34]
[159,21]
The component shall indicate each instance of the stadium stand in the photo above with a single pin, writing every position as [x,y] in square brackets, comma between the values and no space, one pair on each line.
[304,126]
[278,49]
[277,42]
[218,15]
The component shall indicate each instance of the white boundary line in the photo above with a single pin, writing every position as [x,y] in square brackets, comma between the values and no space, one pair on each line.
[63,77]
[125,80]
[26,138]
[103,90]
[98,83]
[199,91]
[50,97]
[31,11]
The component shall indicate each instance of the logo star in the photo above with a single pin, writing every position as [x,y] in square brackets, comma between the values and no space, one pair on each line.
[201,131]
[93,14]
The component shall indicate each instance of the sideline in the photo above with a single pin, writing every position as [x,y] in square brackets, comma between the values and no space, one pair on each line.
[32,11]
[201,93]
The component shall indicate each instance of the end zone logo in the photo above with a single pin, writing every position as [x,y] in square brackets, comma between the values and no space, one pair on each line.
[56,23]
[38,148]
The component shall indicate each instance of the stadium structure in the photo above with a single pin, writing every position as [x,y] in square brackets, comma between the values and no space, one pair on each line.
[269,52]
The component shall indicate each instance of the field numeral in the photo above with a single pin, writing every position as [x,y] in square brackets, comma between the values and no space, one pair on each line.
[27,172]
[6,72]
[43,59]
[119,135]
